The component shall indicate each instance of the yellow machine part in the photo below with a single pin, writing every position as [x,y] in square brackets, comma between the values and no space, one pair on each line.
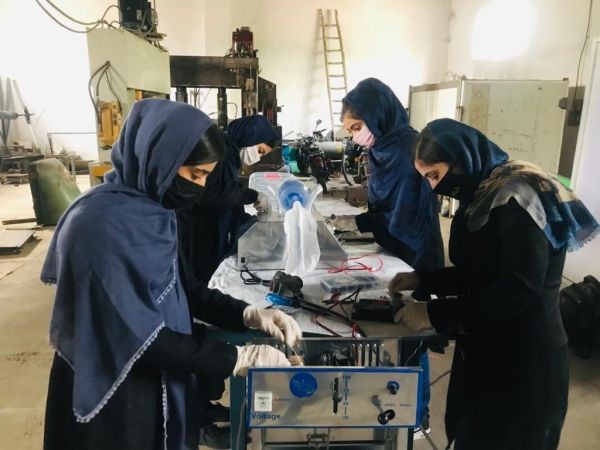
[110,123]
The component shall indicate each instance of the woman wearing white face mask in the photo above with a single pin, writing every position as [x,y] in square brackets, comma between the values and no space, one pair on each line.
[251,155]
[223,220]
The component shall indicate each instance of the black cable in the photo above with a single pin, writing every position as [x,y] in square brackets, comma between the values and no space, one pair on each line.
[99,79]
[447,372]
[107,75]
[321,310]
[252,279]
[99,69]
[587,36]
[414,353]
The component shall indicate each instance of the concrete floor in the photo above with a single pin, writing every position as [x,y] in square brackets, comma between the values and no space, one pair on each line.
[25,306]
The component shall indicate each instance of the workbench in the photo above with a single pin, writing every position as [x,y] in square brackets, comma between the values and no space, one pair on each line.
[410,342]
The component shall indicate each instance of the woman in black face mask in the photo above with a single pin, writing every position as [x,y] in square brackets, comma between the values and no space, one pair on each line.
[509,382]
[187,188]
[128,372]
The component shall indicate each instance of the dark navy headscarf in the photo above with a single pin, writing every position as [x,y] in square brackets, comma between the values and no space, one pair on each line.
[473,154]
[113,259]
[395,187]
[563,218]
[243,132]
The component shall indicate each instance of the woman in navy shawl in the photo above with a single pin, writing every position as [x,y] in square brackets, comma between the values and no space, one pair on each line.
[510,376]
[124,372]
[403,210]
[223,217]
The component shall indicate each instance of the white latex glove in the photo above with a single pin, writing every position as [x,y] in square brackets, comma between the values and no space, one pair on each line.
[273,322]
[262,203]
[414,315]
[343,223]
[258,356]
[404,281]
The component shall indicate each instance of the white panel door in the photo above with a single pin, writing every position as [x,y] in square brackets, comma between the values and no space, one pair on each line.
[586,170]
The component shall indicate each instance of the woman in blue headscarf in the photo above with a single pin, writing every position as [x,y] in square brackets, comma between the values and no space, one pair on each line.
[403,210]
[126,369]
[509,382]
[222,217]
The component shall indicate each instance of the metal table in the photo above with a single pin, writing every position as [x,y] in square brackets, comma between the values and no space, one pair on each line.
[409,342]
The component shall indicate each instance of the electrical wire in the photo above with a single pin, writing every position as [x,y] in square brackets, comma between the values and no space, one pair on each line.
[320,310]
[98,70]
[99,79]
[447,372]
[79,21]
[97,24]
[414,353]
[358,266]
[107,75]
[207,94]
[251,279]
[236,108]
[103,71]
[587,36]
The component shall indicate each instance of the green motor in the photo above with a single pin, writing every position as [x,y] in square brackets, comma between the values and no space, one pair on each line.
[52,188]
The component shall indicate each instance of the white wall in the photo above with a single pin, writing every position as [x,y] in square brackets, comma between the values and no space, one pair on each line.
[51,67]
[559,31]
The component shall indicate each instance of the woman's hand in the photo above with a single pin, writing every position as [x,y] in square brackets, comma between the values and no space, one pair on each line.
[262,203]
[258,356]
[343,223]
[404,281]
[414,315]
[274,323]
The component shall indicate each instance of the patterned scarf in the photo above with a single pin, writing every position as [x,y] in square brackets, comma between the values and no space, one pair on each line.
[558,212]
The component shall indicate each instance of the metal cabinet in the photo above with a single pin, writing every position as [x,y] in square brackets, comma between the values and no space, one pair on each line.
[521,116]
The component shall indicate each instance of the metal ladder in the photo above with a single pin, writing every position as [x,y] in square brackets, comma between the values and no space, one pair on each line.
[335,67]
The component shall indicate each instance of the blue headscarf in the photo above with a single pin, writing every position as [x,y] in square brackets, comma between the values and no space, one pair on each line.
[113,259]
[563,218]
[472,153]
[395,187]
[251,130]
[243,132]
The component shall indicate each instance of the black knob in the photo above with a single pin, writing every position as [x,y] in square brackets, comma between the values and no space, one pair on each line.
[393,387]
[386,416]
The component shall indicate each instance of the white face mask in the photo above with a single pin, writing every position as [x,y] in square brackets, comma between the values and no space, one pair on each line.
[250,155]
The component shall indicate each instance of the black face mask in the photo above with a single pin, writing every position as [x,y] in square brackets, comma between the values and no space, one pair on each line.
[454,185]
[182,194]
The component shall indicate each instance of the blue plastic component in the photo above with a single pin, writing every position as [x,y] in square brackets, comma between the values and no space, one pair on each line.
[277,299]
[303,385]
[292,191]
[290,158]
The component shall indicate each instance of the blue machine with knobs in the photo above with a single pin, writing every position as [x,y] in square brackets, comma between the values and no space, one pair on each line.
[356,394]
[340,397]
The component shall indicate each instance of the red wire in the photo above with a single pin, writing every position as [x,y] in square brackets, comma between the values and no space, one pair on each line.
[341,305]
[344,267]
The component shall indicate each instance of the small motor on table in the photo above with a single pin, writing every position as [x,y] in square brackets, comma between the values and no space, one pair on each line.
[287,285]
